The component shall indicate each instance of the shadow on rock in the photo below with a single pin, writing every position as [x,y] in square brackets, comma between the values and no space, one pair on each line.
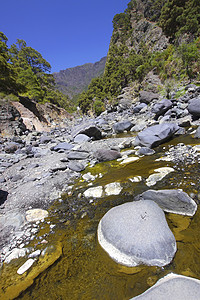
[3,196]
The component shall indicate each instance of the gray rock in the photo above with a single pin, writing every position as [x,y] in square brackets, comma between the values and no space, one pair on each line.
[147,97]
[194,107]
[89,129]
[139,107]
[76,166]
[81,138]
[174,201]
[44,139]
[122,126]
[73,155]
[161,107]
[174,287]
[63,146]
[156,135]
[137,233]
[197,133]
[106,154]
[11,147]
[145,151]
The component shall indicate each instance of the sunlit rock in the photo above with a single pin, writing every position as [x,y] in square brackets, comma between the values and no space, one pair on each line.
[159,175]
[25,266]
[15,253]
[36,214]
[129,160]
[174,201]
[94,192]
[137,233]
[113,188]
[174,287]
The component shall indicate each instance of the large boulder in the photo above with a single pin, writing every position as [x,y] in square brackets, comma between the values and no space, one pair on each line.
[137,233]
[156,135]
[107,154]
[161,107]
[174,287]
[90,129]
[147,97]
[174,201]
[122,126]
[194,107]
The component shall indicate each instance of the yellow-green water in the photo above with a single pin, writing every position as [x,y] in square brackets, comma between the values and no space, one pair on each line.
[84,270]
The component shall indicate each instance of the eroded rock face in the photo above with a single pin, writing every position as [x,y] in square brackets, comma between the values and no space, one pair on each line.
[173,286]
[137,233]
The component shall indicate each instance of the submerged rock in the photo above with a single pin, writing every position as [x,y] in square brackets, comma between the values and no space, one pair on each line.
[159,175]
[25,266]
[174,287]
[137,233]
[113,188]
[174,201]
[95,192]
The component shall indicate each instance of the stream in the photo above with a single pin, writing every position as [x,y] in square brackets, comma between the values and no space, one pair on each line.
[84,270]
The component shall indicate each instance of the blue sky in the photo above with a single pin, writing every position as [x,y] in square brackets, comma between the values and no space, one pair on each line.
[66,32]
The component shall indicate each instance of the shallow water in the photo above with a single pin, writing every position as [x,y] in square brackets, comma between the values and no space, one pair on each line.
[85,271]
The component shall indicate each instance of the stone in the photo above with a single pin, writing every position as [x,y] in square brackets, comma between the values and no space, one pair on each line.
[35,254]
[122,126]
[44,139]
[194,107]
[174,287]
[36,214]
[27,265]
[139,107]
[15,253]
[156,135]
[147,97]
[173,201]
[63,146]
[197,133]
[11,147]
[129,160]
[77,155]
[113,188]
[94,192]
[81,138]
[137,233]
[76,166]
[89,128]
[159,175]
[145,151]
[107,154]
[161,107]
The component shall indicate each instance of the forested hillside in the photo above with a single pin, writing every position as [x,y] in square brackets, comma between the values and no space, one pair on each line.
[151,35]
[24,72]
[73,81]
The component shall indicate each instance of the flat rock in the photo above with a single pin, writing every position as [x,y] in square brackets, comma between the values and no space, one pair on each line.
[156,135]
[76,166]
[159,175]
[78,155]
[36,214]
[94,192]
[137,233]
[107,154]
[174,201]
[113,188]
[63,146]
[173,287]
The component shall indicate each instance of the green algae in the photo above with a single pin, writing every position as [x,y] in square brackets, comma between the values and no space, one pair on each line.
[85,271]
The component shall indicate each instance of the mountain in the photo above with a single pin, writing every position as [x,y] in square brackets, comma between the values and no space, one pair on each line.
[156,37]
[73,81]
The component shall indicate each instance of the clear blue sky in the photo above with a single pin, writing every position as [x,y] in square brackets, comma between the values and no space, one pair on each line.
[66,32]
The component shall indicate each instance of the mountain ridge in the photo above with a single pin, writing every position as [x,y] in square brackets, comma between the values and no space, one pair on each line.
[73,81]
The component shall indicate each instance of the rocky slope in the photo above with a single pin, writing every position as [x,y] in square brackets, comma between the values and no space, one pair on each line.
[73,81]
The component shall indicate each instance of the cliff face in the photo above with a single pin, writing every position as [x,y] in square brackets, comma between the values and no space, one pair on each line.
[73,81]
